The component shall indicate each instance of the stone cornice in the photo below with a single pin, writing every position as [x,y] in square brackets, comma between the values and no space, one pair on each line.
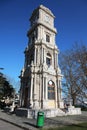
[39,22]
[47,45]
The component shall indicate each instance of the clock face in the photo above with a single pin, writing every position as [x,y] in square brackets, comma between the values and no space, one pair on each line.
[50,82]
[47,18]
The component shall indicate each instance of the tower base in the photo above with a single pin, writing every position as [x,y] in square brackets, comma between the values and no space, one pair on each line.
[32,113]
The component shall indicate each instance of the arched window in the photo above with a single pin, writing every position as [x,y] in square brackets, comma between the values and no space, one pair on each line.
[51,90]
[48,59]
[47,38]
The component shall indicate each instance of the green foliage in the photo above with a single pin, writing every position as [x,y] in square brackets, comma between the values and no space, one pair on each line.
[5,88]
[83,108]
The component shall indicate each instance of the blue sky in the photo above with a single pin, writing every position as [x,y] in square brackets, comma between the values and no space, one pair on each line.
[70,21]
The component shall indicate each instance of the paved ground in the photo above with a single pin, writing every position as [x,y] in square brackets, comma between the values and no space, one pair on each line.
[7,126]
[30,124]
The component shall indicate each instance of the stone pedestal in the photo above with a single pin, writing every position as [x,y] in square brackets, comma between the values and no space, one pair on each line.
[73,111]
[32,113]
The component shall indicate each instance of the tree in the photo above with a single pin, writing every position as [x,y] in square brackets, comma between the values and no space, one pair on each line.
[5,88]
[73,63]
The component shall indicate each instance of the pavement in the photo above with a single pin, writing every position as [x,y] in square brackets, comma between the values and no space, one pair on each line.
[30,124]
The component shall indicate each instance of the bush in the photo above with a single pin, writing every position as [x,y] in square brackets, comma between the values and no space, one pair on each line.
[2,105]
[83,108]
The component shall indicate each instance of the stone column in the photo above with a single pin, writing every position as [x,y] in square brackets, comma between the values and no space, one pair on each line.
[38,33]
[35,57]
[57,82]
[46,90]
[40,85]
[43,88]
[35,87]
[55,60]
[34,98]
[43,55]
[31,92]
[36,103]
[56,95]
[42,93]
[41,32]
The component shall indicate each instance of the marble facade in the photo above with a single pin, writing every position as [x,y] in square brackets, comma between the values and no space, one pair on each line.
[41,76]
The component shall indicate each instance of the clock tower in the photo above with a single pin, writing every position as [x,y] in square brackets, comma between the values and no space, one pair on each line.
[41,76]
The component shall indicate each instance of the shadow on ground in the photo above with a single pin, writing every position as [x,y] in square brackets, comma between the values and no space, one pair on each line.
[31,124]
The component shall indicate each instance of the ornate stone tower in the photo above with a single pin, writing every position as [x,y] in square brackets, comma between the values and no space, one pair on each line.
[41,76]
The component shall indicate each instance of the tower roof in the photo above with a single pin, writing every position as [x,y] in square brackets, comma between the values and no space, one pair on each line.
[43,8]
[46,10]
